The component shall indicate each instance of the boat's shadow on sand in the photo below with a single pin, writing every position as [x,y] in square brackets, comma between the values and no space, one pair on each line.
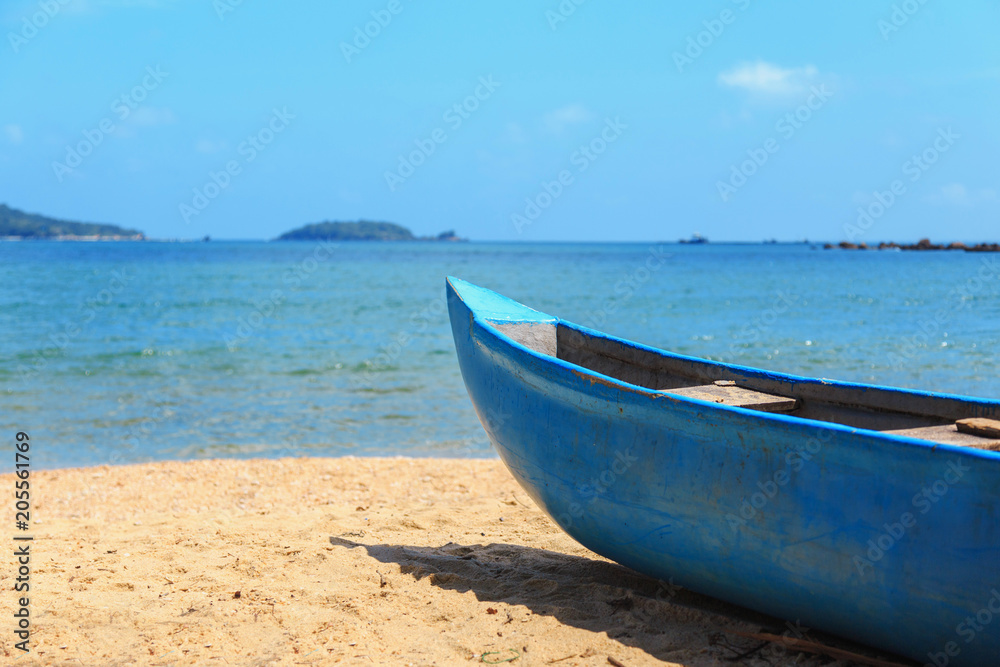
[657,617]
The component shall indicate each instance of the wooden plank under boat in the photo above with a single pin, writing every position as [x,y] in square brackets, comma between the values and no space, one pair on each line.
[859,510]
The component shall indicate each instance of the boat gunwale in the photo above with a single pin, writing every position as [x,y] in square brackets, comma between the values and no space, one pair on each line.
[580,372]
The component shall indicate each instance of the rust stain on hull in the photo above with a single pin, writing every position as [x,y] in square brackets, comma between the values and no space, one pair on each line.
[613,384]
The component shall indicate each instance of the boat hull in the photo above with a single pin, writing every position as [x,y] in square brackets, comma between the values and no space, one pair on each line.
[883,540]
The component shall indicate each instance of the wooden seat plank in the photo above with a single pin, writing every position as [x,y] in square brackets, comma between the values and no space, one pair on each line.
[727,393]
[948,434]
[984,428]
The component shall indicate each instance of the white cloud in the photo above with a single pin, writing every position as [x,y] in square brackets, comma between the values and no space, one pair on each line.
[150,116]
[862,198]
[208,146]
[15,134]
[516,134]
[956,194]
[86,6]
[763,78]
[350,196]
[560,119]
[16,12]
[728,121]
[136,3]
[143,117]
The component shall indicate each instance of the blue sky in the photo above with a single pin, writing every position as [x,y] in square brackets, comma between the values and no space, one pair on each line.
[741,120]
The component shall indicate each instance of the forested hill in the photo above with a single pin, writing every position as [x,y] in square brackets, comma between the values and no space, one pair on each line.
[18,224]
[359,231]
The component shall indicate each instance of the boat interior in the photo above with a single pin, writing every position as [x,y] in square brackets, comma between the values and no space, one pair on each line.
[940,419]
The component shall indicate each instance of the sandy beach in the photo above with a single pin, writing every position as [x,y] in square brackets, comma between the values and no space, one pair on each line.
[386,561]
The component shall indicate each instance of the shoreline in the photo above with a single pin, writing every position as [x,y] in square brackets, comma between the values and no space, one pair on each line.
[355,559]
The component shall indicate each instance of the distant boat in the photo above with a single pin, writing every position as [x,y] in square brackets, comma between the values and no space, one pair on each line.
[695,239]
[868,512]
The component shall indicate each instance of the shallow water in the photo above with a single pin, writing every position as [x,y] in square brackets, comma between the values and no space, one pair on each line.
[128,352]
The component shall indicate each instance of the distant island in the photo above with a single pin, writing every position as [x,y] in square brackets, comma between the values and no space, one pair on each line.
[362,230]
[922,244]
[15,224]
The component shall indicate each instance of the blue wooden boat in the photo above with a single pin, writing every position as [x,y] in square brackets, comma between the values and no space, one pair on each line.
[867,512]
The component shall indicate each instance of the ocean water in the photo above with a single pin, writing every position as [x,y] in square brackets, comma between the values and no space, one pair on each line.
[130,352]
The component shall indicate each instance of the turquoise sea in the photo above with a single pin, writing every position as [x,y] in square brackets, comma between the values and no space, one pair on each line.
[130,352]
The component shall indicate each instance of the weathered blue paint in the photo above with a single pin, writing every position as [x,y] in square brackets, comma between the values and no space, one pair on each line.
[797,518]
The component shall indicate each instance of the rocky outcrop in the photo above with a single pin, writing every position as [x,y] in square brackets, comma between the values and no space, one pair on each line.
[922,244]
